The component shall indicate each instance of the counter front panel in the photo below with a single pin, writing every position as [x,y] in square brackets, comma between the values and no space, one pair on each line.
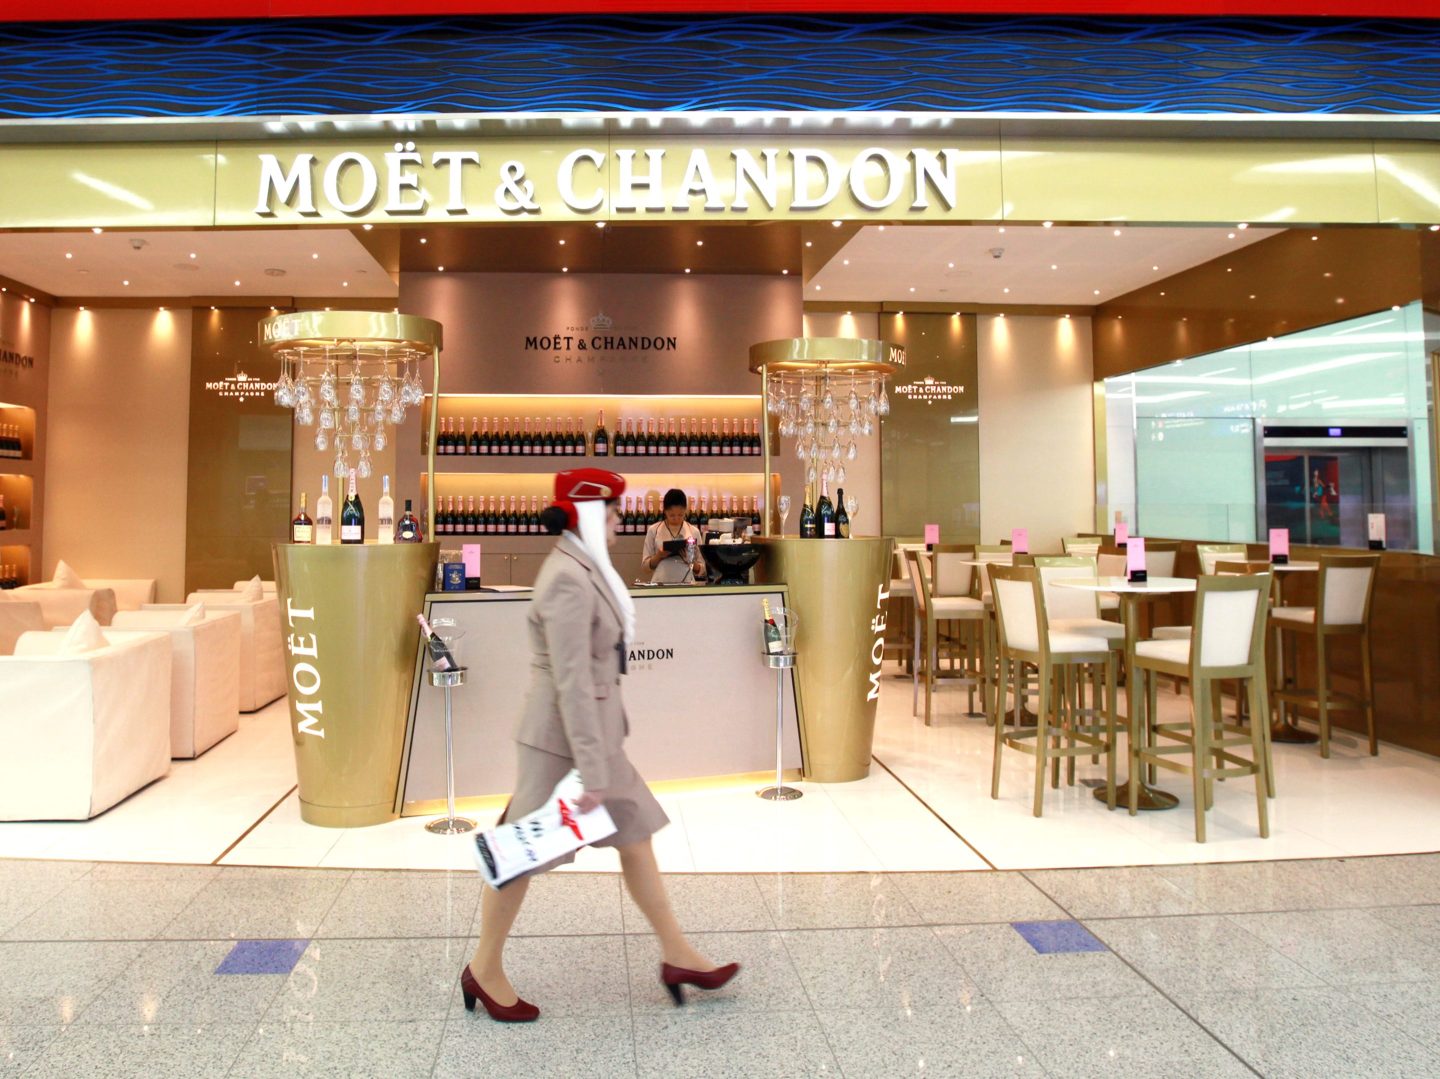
[698,693]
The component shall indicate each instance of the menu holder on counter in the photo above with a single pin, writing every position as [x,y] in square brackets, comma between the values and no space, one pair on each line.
[1122,534]
[1135,560]
[470,557]
[1279,546]
[1375,524]
[1020,541]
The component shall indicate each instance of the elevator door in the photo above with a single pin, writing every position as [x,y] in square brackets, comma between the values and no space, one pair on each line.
[1324,494]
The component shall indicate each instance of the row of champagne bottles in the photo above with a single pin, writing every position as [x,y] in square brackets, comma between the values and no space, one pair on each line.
[10,577]
[824,519]
[463,515]
[566,437]
[321,528]
[10,444]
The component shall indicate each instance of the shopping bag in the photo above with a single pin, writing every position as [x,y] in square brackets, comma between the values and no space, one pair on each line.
[515,847]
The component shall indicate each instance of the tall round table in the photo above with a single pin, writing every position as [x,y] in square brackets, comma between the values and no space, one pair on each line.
[1132,594]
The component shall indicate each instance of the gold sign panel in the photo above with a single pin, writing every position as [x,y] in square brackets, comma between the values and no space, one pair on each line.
[788,177]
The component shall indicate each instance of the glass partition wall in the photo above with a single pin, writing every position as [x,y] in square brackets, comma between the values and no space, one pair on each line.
[1312,431]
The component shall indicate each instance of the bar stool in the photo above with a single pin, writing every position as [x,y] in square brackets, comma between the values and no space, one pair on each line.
[902,603]
[1343,603]
[1026,637]
[933,610]
[1228,643]
[1210,553]
[1080,546]
[990,554]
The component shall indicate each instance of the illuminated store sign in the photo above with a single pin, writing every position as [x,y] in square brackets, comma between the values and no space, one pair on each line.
[930,389]
[405,181]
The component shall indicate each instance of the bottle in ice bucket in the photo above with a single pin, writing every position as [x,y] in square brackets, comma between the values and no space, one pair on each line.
[773,644]
[441,657]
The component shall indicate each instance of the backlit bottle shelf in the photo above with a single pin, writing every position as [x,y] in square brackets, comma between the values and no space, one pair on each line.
[677,466]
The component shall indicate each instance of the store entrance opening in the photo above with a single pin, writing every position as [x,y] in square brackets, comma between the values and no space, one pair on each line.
[1322,483]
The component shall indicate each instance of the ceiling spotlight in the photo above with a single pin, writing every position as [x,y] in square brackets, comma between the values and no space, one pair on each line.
[125,282]
[97,230]
[423,240]
[1435,228]
[1432,229]
[1229,269]
[193,255]
[564,269]
[687,269]
[1394,307]
[836,224]
[1155,268]
[699,243]
[784,271]
[599,224]
[882,229]
[1002,228]
[562,243]
[313,255]
[367,226]
[1243,225]
[1007,289]
[809,243]
[1067,316]
[68,255]
[1054,267]
[1048,224]
[817,288]
[912,288]
[237,284]
[845,261]
[162,309]
[440,269]
[1230,236]
[1252,295]
[1117,232]
[344,284]
[951,265]
[1097,292]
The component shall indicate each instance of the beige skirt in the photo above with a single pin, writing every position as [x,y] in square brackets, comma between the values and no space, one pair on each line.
[636,813]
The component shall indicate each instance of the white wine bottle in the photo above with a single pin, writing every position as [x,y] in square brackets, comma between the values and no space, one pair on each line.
[385,525]
[324,514]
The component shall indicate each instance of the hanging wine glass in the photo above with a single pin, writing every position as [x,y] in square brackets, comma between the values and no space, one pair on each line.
[840,474]
[883,408]
[328,396]
[851,451]
[810,475]
[378,440]
[867,428]
[327,419]
[342,466]
[397,413]
[352,414]
[357,439]
[304,415]
[362,469]
[322,440]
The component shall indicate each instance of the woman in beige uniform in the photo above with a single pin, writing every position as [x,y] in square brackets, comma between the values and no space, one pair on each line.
[581,620]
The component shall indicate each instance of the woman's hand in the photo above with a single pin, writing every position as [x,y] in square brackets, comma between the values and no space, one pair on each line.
[590,800]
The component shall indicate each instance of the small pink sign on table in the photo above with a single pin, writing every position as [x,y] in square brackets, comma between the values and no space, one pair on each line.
[1020,541]
[1279,546]
[932,535]
[1135,559]
[1122,533]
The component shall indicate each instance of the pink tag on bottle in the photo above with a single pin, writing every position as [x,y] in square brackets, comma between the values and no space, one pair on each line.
[470,554]
[1135,558]
[1122,533]
[1279,543]
[1019,541]
[932,535]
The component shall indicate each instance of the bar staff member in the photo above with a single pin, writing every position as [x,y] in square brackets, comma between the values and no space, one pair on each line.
[668,566]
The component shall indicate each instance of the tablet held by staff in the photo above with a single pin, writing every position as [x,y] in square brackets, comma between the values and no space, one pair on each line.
[672,545]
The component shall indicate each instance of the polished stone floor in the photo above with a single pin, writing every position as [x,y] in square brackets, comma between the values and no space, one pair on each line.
[1323,967]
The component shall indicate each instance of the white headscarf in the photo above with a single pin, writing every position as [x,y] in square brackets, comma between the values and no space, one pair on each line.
[593,516]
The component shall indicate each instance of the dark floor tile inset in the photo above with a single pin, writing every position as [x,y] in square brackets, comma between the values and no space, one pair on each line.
[263,957]
[1054,938]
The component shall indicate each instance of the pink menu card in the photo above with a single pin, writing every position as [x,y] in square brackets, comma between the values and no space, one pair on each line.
[932,535]
[1019,541]
[1135,557]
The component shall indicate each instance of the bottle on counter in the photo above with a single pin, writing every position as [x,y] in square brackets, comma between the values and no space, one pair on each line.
[407,529]
[352,515]
[825,512]
[842,517]
[324,520]
[385,514]
[809,527]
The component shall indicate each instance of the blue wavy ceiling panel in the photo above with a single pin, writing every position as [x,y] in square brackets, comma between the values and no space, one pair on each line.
[567,64]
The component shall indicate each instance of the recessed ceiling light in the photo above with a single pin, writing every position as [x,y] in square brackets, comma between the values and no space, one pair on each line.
[1394,307]
[1002,228]
[1162,294]
[1316,238]
[599,224]
[784,271]
[423,240]
[68,255]
[214,308]
[912,288]
[1243,225]
[367,226]
[687,269]
[1229,269]
[817,288]
[193,255]
[809,243]
[1339,299]
[30,298]
[1117,232]
[1054,267]
[1230,236]
[440,269]
[1007,289]
[699,243]
[882,229]
[344,284]
[951,265]
[564,269]
[125,282]
[237,284]
[97,230]
[1155,268]
[1000,315]
[562,243]
[1097,292]
[836,224]
[1067,316]
[162,309]
[845,261]
[1435,228]
[1049,224]
[313,255]
[1329,274]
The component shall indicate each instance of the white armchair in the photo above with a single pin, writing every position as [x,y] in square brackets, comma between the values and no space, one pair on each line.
[269,586]
[204,674]
[262,655]
[81,732]
[61,606]
[17,617]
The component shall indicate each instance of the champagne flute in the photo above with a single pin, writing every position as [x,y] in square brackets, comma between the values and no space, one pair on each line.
[784,512]
[851,505]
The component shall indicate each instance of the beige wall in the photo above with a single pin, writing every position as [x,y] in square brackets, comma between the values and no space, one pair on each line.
[119,405]
[1037,451]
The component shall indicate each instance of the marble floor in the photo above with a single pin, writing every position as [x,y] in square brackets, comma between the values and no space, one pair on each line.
[925,806]
[1315,968]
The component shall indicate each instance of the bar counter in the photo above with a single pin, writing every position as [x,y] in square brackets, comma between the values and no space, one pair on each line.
[698,693]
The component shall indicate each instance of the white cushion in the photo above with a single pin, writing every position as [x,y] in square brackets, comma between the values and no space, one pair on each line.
[66,577]
[61,606]
[1169,651]
[83,636]
[254,590]
[1077,642]
[269,586]
[1172,633]
[957,607]
[193,616]
[1294,614]
[1089,627]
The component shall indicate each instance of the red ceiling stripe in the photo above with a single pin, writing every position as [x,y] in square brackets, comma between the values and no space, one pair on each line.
[69,10]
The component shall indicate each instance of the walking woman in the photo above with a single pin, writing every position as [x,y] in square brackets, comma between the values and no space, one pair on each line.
[581,621]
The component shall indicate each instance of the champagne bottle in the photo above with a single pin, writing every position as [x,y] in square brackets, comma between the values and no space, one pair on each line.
[352,516]
[809,528]
[474,446]
[494,448]
[442,438]
[441,658]
[507,440]
[602,437]
[684,440]
[773,644]
[842,518]
[547,444]
[4,521]
[407,529]
[825,511]
[385,514]
[324,521]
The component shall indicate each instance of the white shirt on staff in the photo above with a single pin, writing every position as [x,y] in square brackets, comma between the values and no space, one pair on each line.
[673,570]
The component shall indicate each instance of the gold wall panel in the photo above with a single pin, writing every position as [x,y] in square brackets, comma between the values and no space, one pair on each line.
[129,186]
[348,616]
[930,465]
[835,588]
[1407,180]
[1189,180]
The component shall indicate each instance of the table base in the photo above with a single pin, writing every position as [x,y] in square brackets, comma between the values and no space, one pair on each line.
[1281,731]
[450,826]
[779,794]
[1149,797]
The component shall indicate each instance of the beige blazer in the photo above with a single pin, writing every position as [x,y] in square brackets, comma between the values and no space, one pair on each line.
[573,706]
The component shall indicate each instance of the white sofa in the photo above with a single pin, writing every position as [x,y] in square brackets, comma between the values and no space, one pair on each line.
[61,606]
[204,675]
[268,586]
[79,733]
[17,617]
[262,648]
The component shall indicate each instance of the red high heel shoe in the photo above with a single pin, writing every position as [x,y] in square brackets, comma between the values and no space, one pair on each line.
[676,978]
[519,1012]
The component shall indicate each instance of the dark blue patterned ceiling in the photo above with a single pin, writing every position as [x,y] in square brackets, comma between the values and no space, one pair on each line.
[567,64]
